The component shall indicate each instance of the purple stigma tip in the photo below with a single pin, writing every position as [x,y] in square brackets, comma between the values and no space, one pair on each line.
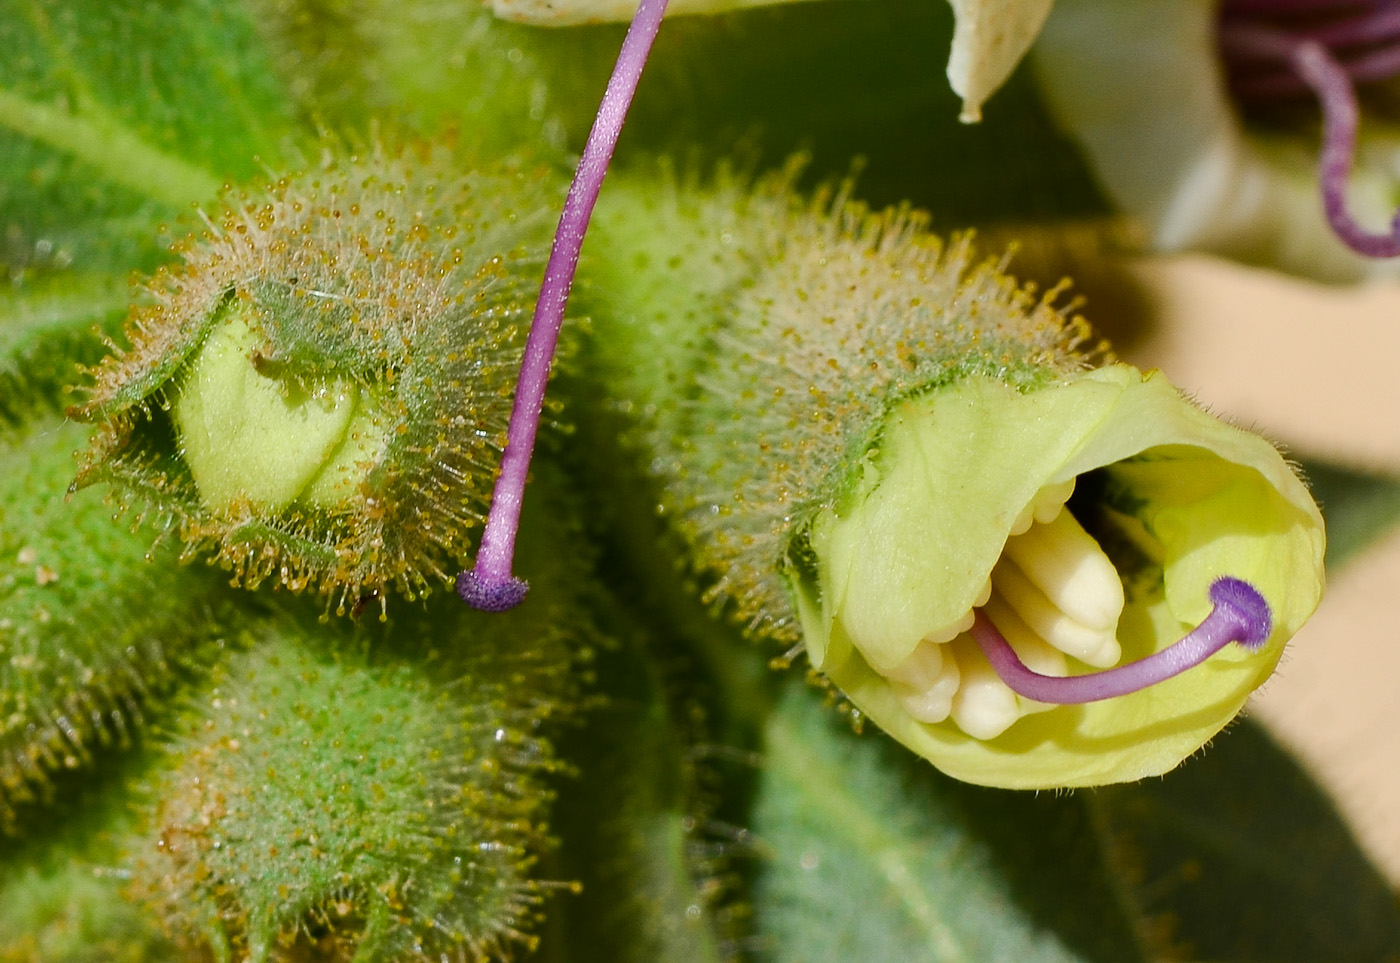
[491,595]
[1240,615]
[1255,618]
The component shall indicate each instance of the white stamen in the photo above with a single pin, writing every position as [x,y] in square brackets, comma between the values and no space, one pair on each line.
[950,631]
[1096,647]
[1067,565]
[1046,504]
[1053,594]
[1035,652]
[1023,521]
[1050,500]
[984,706]
[926,683]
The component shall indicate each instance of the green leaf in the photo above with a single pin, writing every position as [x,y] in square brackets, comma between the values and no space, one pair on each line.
[114,115]
[878,857]
[187,79]
[114,118]
[833,79]
[1238,856]
[1359,506]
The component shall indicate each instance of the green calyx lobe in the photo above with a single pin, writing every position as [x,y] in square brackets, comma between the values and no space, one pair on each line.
[1176,499]
[311,395]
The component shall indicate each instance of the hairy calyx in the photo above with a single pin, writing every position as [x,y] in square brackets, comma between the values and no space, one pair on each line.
[1279,49]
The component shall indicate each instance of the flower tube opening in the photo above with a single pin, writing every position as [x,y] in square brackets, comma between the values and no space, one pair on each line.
[1166,500]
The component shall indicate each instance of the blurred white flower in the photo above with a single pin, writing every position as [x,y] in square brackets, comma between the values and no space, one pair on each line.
[1145,89]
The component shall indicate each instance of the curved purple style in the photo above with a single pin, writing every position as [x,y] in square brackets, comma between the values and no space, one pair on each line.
[1285,48]
[1240,615]
[491,585]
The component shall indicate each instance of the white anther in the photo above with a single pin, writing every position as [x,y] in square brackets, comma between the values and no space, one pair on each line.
[1037,654]
[984,706]
[1050,500]
[1023,521]
[1043,507]
[1096,647]
[1067,565]
[950,631]
[926,682]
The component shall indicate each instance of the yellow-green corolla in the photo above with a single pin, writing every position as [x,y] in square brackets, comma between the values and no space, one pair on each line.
[1087,521]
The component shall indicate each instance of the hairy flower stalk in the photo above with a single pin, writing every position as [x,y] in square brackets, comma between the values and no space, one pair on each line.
[1188,114]
[317,393]
[873,445]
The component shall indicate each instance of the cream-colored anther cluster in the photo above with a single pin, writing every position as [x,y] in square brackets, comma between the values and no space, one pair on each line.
[1053,594]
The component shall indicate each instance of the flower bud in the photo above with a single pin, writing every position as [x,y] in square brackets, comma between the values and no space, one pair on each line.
[318,393]
[356,787]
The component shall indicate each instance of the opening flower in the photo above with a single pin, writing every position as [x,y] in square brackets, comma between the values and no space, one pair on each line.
[1197,118]
[1088,523]
[865,438]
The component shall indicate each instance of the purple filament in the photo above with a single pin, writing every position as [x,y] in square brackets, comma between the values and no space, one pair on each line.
[1284,48]
[1240,615]
[490,585]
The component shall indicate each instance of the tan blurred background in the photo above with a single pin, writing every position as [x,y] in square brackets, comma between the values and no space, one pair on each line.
[1313,368]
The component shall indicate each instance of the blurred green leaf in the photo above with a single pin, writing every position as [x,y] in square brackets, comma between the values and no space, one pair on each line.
[114,118]
[838,79]
[115,115]
[632,822]
[1359,506]
[1238,856]
[876,856]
